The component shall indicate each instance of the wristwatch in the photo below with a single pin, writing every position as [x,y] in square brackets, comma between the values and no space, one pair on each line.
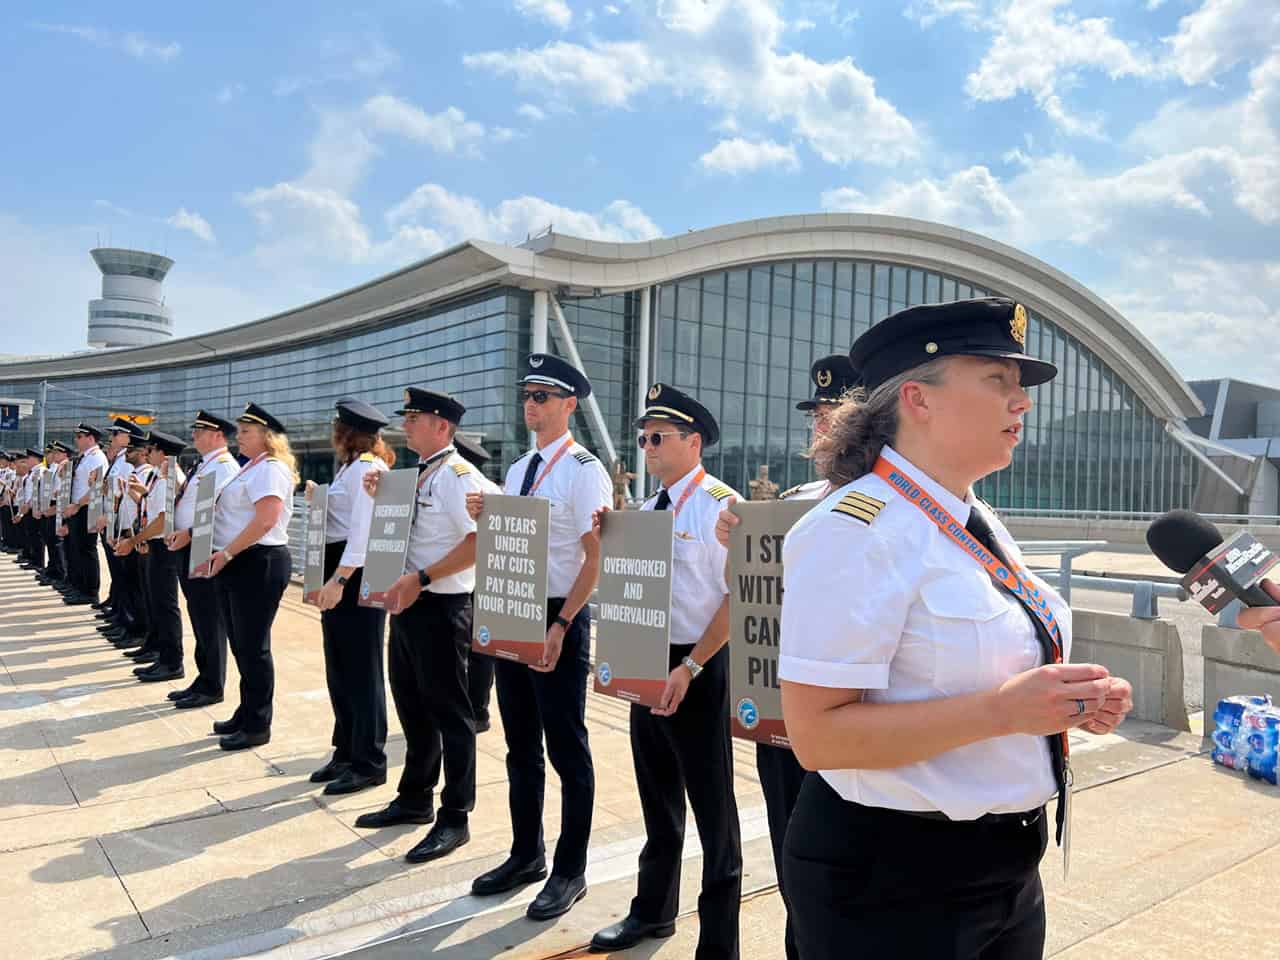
[340,579]
[693,666]
[563,622]
[424,578]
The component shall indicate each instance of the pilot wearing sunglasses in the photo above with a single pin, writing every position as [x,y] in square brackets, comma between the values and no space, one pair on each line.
[682,746]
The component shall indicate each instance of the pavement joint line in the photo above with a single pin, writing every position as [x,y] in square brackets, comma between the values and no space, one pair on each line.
[1134,773]
[311,939]
[123,886]
[1170,897]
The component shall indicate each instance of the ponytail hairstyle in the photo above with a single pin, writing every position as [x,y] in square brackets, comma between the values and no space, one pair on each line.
[863,424]
[350,443]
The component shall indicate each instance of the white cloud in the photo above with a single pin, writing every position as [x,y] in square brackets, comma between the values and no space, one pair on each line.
[554,12]
[530,112]
[297,222]
[345,59]
[444,132]
[229,92]
[729,55]
[1221,34]
[971,198]
[928,12]
[608,74]
[189,220]
[454,217]
[134,44]
[1038,48]
[745,156]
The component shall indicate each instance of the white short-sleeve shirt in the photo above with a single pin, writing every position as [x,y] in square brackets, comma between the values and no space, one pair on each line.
[235,507]
[577,487]
[697,568]
[157,499]
[224,468]
[894,608]
[350,509]
[130,509]
[90,461]
[440,518]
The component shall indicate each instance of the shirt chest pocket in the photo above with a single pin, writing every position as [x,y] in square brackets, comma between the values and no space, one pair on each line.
[978,638]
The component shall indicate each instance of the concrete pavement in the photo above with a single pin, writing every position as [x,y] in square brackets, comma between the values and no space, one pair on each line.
[125,832]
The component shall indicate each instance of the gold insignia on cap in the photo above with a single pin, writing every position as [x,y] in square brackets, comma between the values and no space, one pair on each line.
[407,398]
[930,347]
[655,391]
[1018,326]
[824,378]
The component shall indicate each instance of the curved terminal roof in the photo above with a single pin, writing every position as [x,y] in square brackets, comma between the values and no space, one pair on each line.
[572,266]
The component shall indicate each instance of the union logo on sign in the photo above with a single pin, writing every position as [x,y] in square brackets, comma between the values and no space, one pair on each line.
[748,715]
[483,636]
[605,673]
[364,591]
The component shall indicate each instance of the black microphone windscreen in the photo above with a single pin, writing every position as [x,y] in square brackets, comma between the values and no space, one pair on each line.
[1181,538]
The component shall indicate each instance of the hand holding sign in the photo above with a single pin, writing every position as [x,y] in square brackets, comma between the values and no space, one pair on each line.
[475,505]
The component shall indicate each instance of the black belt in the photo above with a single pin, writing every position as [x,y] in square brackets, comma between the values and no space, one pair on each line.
[1026,818]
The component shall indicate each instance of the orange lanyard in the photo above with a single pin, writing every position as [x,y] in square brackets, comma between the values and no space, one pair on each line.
[1012,577]
[243,470]
[564,448]
[688,492]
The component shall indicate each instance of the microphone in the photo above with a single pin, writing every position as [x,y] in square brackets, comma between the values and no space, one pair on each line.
[1215,572]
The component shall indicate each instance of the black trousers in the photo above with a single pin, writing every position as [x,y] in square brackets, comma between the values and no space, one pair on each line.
[781,777]
[428,656]
[6,526]
[205,613]
[35,542]
[690,752]
[249,592]
[479,683]
[53,548]
[353,670]
[533,704]
[162,592]
[120,594]
[890,884]
[133,592]
[83,554]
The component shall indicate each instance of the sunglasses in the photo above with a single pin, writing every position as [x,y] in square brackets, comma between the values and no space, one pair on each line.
[655,439]
[540,396]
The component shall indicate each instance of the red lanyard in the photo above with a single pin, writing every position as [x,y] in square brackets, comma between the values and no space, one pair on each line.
[432,465]
[688,492]
[1010,575]
[564,448]
[243,470]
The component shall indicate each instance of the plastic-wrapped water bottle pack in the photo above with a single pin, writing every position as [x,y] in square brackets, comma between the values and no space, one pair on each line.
[1246,736]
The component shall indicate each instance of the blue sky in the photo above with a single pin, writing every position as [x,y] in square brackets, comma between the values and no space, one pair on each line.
[280,152]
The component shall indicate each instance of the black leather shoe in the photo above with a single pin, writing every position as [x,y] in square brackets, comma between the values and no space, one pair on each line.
[243,741]
[80,601]
[330,771]
[224,727]
[557,897]
[509,875]
[393,814]
[158,672]
[628,932]
[352,782]
[181,694]
[143,656]
[196,700]
[443,839]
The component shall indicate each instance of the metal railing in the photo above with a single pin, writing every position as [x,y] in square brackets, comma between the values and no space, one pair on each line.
[1146,593]
[1066,551]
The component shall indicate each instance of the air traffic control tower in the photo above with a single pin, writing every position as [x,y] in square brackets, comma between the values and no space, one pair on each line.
[131,312]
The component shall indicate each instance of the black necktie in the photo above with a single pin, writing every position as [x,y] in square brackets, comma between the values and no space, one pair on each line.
[530,472]
[981,530]
[422,467]
[664,501]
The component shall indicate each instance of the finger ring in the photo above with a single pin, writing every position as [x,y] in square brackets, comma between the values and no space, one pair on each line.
[1079,708]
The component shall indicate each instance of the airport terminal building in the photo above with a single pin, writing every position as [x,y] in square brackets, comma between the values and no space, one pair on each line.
[734,314]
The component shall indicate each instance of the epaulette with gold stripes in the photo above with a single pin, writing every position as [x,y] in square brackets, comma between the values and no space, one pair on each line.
[791,492]
[859,506]
[582,456]
[366,458]
[461,469]
[717,489]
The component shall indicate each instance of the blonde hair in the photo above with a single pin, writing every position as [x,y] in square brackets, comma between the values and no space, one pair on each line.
[862,425]
[278,448]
